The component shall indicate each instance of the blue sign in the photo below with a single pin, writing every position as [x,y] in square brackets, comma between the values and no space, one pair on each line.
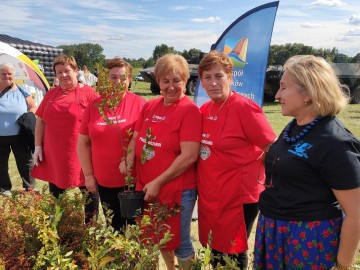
[247,42]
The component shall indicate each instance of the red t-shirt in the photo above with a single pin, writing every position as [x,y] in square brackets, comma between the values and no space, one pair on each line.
[62,114]
[170,125]
[230,171]
[108,140]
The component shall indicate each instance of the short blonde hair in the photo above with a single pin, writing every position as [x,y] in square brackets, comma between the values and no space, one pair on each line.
[119,62]
[216,57]
[171,63]
[65,59]
[316,76]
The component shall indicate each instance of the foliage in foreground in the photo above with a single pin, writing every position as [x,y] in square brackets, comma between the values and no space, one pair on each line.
[41,232]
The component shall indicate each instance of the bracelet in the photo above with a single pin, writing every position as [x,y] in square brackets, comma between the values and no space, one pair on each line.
[342,267]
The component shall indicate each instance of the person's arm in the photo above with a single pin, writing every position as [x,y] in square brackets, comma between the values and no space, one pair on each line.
[39,131]
[84,155]
[31,104]
[187,157]
[39,137]
[265,148]
[349,201]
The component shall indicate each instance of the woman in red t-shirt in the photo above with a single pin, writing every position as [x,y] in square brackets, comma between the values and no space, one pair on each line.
[168,175]
[235,136]
[101,143]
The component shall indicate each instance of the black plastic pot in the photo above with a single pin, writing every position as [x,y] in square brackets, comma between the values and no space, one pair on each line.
[131,203]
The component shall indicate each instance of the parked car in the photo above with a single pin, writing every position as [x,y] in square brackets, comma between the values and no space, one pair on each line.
[148,75]
[139,78]
[348,74]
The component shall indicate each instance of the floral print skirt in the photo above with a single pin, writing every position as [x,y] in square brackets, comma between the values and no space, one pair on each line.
[296,244]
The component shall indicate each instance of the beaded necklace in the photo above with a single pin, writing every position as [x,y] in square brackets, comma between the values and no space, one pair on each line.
[306,129]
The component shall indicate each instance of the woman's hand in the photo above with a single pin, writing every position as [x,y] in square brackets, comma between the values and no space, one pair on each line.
[187,157]
[122,167]
[151,190]
[38,155]
[125,167]
[91,184]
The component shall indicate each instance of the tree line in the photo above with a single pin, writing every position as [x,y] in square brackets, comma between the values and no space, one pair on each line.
[91,54]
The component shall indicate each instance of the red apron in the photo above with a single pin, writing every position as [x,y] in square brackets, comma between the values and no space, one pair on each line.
[166,148]
[62,116]
[220,204]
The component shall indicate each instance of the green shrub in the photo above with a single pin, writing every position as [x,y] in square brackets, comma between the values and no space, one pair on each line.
[41,232]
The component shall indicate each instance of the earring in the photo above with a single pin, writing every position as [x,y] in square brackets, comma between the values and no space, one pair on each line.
[305,102]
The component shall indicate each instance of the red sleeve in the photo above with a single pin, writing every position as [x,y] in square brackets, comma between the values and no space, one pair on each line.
[191,126]
[258,130]
[204,107]
[49,94]
[91,93]
[141,118]
[85,120]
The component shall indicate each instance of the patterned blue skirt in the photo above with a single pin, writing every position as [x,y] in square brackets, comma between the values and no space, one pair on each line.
[296,244]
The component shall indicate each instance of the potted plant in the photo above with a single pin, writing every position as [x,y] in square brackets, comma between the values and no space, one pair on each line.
[111,95]
[132,201]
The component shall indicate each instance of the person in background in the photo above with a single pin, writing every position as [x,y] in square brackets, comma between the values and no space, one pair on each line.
[235,136]
[169,175]
[312,175]
[14,102]
[55,82]
[80,76]
[101,144]
[57,130]
[89,78]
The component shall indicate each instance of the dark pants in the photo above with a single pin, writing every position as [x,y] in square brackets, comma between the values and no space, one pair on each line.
[251,210]
[109,200]
[23,160]
[91,201]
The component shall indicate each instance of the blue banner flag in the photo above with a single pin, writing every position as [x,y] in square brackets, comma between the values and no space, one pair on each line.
[247,42]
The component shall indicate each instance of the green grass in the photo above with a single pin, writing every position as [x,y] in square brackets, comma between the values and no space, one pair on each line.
[350,117]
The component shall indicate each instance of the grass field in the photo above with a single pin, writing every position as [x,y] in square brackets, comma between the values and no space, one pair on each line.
[350,117]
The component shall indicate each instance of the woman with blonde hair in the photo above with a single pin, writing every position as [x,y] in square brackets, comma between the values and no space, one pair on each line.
[89,78]
[14,102]
[310,210]
[168,175]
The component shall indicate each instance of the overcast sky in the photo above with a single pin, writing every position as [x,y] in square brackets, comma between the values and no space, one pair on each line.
[132,28]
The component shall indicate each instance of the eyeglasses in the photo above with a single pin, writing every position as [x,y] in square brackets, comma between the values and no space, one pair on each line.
[269,183]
